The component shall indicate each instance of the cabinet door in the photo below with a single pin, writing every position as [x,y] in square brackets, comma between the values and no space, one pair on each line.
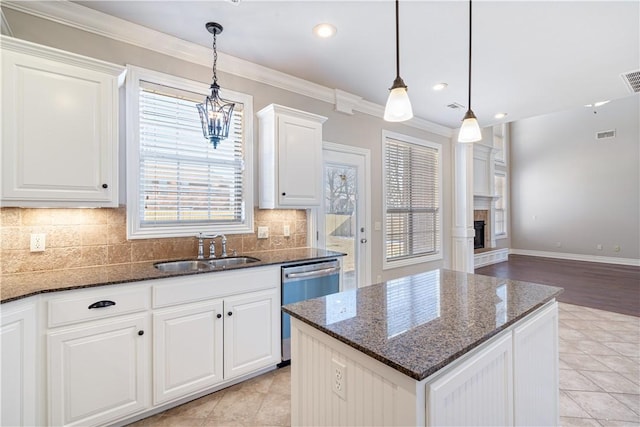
[97,373]
[478,392]
[299,161]
[18,365]
[60,131]
[251,332]
[535,369]
[187,349]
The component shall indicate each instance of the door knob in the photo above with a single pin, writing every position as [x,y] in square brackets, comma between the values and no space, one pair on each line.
[363,240]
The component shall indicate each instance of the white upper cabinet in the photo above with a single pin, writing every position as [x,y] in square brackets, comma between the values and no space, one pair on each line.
[60,128]
[290,158]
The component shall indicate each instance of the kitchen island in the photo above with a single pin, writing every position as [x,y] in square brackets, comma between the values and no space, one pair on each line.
[437,348]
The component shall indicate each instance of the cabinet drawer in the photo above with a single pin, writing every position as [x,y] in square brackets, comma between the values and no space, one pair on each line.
[81,306]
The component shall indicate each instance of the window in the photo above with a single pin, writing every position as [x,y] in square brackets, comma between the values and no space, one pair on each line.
[501,204]
[177,183]
[412,199]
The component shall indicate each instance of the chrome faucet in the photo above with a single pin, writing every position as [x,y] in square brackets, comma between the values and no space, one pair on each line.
[212,245]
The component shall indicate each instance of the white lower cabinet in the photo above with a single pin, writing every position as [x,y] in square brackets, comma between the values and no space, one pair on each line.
[477,392]
[97,371]
[251,332]
[193,342]
[187,349]
[536,370]
[18,364]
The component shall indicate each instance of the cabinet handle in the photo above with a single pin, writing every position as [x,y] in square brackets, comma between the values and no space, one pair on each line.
[230,313]
[284,194]
[105,185]
[101,304]
[141,333]
[219,315]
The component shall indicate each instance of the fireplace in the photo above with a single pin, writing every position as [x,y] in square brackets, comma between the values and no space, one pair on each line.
[478,240]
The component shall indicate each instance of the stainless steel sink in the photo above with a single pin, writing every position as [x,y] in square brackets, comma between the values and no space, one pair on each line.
[229,261]
[204,264]
[178,266]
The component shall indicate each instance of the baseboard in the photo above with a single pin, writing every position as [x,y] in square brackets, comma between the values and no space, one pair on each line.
[577,257]
[490,257]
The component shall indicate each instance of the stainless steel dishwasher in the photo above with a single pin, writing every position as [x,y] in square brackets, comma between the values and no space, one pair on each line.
[305,281]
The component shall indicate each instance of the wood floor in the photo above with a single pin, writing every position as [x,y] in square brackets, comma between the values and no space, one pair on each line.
[608,287]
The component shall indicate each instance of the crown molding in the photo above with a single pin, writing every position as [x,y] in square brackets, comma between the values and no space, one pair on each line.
[93,21]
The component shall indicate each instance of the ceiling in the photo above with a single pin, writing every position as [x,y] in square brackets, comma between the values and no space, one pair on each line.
[529,57]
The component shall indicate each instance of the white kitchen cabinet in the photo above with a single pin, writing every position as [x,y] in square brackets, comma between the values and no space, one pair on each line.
[290,158]
[18,364]
[536,370]
[59,128]
[97,371]
[251,332]
[478,392]
[187,349]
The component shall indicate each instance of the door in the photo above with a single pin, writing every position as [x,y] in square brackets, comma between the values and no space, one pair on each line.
[251,332]
[187,349]
[97,373]
[343,220]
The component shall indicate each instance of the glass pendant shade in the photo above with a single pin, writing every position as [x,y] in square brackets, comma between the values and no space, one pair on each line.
[470,129]
[398,108]
[215,116]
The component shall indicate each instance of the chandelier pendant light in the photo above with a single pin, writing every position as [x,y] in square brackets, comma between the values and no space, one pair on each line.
[470,129]
[215,112]
[398,108]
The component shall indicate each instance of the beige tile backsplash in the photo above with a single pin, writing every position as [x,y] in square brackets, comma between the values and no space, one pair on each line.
[94,237]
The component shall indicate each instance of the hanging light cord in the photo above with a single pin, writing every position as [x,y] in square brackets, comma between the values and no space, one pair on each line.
[469,100]
[397,41]
[215,58]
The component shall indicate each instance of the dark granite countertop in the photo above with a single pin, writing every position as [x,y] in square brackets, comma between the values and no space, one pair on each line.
[421,323]
[21,285]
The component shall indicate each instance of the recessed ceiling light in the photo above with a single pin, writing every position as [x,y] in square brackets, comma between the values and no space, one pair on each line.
[500,115]
[324,30]
[440,86]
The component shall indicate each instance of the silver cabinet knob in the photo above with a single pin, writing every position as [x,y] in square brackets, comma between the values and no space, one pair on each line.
[363,240]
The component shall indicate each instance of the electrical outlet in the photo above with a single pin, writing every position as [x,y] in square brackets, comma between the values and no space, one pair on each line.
[263,232]
[286,230]
[339,379]
[599,246]
[616,248]
[37,242]
[558,244]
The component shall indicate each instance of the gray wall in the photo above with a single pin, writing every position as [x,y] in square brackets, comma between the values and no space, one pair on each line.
[568,187]
[359,130]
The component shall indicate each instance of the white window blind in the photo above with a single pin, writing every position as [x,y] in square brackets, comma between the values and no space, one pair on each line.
[177,183]
[412,200]
[183,179]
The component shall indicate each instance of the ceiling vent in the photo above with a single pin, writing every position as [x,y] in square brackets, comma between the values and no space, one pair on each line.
[606,134]
[455,106]
[632,80]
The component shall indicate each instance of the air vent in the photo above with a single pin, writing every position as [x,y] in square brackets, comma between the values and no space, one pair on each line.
[606,134]
[455,106]
[632,80]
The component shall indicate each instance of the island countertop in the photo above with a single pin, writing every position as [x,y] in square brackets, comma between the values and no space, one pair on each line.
[419,324]
[21,285]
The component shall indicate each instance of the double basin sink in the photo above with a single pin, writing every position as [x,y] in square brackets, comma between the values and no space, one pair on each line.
[204,264]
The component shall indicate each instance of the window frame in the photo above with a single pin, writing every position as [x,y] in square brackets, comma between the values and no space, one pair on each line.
[439,255]
[504,196]
[132,150]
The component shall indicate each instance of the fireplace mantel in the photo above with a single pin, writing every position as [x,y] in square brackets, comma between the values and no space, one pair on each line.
[483,201]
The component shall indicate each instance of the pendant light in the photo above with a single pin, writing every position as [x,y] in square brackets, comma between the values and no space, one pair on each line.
[215,112]
[470,129]
[398,108]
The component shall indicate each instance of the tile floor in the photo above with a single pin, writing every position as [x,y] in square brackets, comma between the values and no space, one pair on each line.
[599,381]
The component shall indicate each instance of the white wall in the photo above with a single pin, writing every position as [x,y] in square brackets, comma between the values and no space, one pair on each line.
[570,188]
